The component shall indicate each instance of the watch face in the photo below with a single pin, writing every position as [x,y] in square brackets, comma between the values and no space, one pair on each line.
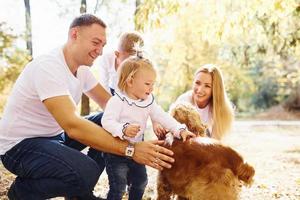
[129,151]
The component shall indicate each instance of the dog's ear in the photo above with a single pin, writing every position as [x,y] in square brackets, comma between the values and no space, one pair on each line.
[196,127]
[179,113]
[188,115]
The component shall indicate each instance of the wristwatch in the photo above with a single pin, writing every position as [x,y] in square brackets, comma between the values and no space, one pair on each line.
[129,151]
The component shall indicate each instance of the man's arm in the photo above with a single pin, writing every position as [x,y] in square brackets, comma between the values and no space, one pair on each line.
[99,95]
[63,110]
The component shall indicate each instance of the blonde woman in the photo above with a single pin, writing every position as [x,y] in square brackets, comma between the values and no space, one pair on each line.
[209,97]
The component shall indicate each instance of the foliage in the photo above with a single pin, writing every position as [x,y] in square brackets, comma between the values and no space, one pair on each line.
[150,13]
[12,60]
[256,44]
[293,101]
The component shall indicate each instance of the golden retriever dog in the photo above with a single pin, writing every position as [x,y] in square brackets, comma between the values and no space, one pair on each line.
[204,169]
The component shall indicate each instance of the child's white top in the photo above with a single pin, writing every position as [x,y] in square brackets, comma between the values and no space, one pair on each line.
[108,76]
[205,113]
[122,110]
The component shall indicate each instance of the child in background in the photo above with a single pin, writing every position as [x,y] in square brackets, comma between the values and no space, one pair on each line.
[125,116]
[109,63]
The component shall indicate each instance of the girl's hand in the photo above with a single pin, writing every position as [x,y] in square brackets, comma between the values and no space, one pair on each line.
[131,130]
[185,134]
[159,130]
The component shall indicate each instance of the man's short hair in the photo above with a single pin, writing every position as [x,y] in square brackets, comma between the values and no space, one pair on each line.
[87,20]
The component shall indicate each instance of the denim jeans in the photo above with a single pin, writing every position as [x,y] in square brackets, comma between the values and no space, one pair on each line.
[52,167]
[121,171]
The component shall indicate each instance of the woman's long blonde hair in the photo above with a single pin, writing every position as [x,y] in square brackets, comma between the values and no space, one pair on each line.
[222,109]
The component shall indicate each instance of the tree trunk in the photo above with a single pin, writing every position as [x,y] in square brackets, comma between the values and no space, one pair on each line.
[137,4]
[85,101]
[83,7]
[293,102]
[28,33]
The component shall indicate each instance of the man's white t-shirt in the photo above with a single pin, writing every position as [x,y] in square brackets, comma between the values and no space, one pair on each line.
[108,76]
[25,115]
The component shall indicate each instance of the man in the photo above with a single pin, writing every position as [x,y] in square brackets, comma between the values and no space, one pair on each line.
[41,133]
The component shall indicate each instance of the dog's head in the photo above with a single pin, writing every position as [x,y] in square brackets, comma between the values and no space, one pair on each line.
[186,114]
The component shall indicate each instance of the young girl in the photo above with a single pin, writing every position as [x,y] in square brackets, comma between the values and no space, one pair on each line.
[125,117]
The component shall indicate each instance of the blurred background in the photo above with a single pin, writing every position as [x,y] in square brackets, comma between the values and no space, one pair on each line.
[256,44]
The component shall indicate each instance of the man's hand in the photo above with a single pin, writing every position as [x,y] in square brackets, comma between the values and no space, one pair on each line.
[131,130]
[186,134]
[151,154]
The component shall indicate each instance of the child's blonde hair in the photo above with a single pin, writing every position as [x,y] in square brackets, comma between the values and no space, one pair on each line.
[128,41]
[130,67]
[222,109]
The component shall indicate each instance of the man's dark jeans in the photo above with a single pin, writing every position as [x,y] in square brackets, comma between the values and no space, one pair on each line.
[52,167]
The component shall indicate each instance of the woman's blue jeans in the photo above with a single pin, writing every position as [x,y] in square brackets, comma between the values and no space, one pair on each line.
[52,167]
[122,171]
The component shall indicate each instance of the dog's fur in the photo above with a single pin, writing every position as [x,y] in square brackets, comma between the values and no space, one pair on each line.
[204,169]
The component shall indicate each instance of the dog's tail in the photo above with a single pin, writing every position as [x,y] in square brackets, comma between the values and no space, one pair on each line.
[245,173]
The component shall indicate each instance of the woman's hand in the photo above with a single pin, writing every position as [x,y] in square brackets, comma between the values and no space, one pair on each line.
[151,154]
[159,130]
[185,134]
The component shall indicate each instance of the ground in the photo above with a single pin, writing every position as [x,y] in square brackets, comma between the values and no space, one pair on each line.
[273,150]
[277,113]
